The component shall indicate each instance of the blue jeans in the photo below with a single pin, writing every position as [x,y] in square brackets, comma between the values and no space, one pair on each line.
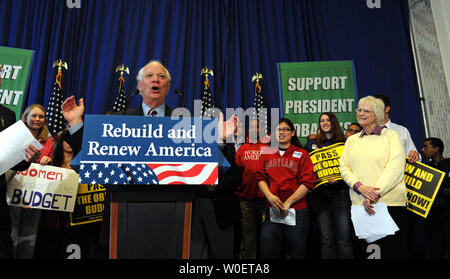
[274,235]
[330,206]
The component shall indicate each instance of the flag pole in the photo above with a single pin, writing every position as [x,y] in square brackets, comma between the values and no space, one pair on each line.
[120,103]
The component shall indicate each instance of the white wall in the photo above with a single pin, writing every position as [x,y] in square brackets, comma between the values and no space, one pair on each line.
[441,15]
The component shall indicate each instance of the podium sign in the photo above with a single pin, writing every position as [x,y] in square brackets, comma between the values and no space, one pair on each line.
[148,150]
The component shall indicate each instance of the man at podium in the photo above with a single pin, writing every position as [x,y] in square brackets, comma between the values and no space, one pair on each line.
[153,83]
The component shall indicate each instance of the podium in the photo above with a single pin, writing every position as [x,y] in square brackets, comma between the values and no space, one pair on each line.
[150,178]
[150,224]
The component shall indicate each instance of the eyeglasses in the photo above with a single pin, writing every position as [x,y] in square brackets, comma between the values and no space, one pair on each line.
[284,129]
[363,110]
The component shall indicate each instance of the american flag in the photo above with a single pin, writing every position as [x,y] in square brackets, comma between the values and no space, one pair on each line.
[186,173]
[260,112]
[116,174]
[207,98]
[148,174]
[119,104]
[55,119]
[207,102]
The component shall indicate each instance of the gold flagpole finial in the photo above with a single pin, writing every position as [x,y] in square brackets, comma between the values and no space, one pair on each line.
[60,64]
[257,77]
[122,68]
[207,72]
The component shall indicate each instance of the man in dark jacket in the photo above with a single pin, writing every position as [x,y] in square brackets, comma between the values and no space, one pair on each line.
[7,118]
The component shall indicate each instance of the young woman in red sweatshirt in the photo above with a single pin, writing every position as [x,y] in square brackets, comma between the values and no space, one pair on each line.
[285,179]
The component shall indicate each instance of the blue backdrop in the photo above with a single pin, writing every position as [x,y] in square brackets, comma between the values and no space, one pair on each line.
[234,38]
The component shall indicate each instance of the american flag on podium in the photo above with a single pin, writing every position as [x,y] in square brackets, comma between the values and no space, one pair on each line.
[55,119]
[148,173]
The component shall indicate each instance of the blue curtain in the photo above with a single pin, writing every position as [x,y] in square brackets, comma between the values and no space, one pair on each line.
[234,38]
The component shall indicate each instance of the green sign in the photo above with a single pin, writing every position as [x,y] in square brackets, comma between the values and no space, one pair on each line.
[14,75]
[307,89]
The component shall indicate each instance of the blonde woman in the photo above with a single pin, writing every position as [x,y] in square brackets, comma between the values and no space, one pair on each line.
[25,221]
[373,165]
[34,119]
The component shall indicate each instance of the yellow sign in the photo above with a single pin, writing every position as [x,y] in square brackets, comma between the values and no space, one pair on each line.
[89,204]
[326,163]
[422,184]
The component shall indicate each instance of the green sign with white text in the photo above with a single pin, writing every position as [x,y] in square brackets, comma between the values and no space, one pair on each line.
[307,89]
[14,74]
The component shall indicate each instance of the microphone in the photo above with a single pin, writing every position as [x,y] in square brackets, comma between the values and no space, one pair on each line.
[179,93]
[134,93]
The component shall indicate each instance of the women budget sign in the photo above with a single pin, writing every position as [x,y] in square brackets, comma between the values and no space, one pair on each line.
[307,89]
[43,187]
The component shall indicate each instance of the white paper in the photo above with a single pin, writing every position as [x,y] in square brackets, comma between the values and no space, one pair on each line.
[15,139]
[372,227]
[288,220]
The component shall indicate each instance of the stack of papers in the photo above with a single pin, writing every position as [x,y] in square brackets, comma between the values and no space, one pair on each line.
[373,227]
[288,220]
[15,139]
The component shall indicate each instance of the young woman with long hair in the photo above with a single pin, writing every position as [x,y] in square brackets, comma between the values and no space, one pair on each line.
[330,202]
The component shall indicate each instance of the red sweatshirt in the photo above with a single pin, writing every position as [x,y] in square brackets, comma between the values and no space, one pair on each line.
[284,174]
[248,157]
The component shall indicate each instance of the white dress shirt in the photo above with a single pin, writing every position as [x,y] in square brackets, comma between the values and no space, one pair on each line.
[405,137]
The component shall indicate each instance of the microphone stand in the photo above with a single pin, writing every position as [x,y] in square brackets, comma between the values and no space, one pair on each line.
[134,93]
[179,93]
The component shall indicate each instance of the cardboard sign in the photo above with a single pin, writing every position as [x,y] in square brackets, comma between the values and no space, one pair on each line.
[326,163]
[90,204]
[422,183]
[307,89]
[43,187]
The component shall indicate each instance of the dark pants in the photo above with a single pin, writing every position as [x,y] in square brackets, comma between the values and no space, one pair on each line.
[273,235]
[6,244]
[209,239]
[430,237]
[438,231]
[251,212]
[330,206]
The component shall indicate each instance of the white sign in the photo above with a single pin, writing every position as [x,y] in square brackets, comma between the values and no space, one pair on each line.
[43,187]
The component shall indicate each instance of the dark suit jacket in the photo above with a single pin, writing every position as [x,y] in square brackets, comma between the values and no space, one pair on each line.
[7,118]
[75,140]
[226,208]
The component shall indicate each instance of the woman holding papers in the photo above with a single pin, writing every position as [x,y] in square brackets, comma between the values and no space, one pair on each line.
[330,202]
[25,222]
[373,164]
[285,179]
